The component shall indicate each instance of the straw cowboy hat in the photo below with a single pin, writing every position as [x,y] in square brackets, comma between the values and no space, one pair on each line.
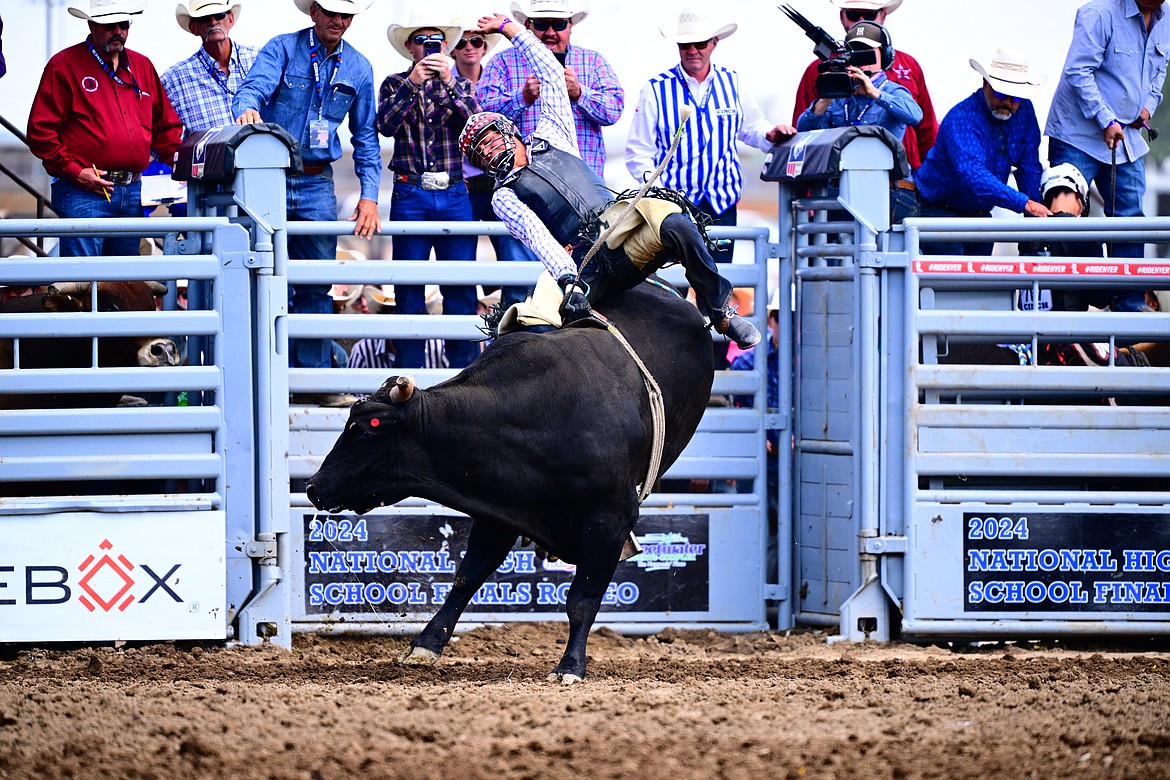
[889,6]
[398,33]
[200,8]
[550,9]
[109,11]
[336,6]
[471,24]
[692,26]
[1009,73]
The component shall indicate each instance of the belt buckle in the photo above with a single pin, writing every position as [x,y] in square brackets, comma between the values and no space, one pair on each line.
[121,178]
[436,181]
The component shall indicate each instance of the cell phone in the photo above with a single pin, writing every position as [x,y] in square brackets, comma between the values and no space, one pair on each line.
[432,47]
[560,55]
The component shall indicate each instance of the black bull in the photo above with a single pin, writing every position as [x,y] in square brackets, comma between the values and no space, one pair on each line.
[545,436]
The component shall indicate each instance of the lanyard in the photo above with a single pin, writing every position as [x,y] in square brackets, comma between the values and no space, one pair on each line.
[317,70]
[109,69]
[877,82]
[220,78]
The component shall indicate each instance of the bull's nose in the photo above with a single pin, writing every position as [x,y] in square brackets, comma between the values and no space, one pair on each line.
[311,494]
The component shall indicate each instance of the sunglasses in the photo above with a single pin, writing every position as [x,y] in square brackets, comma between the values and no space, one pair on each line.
[419,40]
[857,16]
[333,14]
[210,18]
[1001,96]
[541,25]
[116,26]
[475,42]
[696,46]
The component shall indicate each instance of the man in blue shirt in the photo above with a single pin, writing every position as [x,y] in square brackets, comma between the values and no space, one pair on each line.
[1111,85]
[981,141]
[308,82]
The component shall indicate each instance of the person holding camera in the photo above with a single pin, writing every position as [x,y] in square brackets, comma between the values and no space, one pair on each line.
[875,100]
[424,108]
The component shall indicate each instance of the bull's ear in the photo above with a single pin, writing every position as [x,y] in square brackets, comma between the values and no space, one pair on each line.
[372,417]
[60,302]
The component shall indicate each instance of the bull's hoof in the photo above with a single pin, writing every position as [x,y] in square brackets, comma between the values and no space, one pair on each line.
[419,656]
[564,678]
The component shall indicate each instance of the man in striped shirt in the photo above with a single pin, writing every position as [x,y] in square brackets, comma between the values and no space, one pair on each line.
[706,168]
[551,200]
[597,98]
[201,87]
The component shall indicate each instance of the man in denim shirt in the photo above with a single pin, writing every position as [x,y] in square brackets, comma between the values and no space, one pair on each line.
[308,82]
[1112,84]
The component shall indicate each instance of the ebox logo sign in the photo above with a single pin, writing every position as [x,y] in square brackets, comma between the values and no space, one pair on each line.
[138,578]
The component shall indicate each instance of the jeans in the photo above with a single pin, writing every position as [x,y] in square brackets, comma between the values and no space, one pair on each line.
[73,202]
[411,203]
[508,249]
[1131,187]
[311,199]
[969,249]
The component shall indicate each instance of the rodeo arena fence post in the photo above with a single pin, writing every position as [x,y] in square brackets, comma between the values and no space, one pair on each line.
[918,495]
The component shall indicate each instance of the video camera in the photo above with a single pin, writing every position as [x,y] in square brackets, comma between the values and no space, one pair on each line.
[832,80]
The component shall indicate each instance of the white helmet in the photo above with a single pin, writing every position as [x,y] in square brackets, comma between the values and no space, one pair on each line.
[1068,176]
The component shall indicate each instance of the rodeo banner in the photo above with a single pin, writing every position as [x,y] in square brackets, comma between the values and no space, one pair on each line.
[400,564]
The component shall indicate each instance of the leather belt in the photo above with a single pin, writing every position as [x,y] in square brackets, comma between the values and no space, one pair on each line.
[905,184]
[314,170]
[429,180]
[481,183]
[122,178]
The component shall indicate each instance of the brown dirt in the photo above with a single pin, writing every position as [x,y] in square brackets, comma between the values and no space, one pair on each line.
[676,705]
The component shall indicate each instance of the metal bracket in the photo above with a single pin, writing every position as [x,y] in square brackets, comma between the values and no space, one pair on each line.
[775,592]
[776,249]
[775,422]
[884,545]
[260,548]
[883,259]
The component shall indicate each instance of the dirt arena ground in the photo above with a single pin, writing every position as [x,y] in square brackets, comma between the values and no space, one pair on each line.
[676,705]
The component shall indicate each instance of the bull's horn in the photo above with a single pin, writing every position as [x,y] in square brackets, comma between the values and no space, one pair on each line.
[402,390]
[70,288]
[157,289]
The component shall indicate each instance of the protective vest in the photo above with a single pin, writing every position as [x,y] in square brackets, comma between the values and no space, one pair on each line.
[561,189]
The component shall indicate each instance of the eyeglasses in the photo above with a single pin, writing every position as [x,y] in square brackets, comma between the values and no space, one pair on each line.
[210,18]
[541,25]
[333,14]
[419,40]
[125,25]
[696,46]
[854,15]
[475,41]
[1001,96]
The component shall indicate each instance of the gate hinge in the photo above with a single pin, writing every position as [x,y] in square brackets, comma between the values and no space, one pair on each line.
[261,548]
[884,259]
[884,545]
[775,592]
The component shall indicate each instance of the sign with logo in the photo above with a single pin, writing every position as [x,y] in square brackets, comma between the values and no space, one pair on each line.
[90,576]
[1092,562]
[393,564]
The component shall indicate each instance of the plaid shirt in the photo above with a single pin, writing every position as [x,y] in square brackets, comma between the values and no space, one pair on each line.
[425,122]
[601,102]
[200,93]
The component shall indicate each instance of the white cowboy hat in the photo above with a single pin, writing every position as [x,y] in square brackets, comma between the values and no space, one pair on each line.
[336,6]
[550,9]
[889,6]
[1010,74]
[109,11]
[204,8]
[398,33]
[693,26]
[469,24]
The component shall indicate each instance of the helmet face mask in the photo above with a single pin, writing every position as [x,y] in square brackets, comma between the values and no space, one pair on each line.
[489,141]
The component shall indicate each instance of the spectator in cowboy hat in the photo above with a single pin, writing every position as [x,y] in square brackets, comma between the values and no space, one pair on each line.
[904,70]
[509,88]
[328,81]
[97,115]
[424,108]
[984,139]
[201,87]
[706,167]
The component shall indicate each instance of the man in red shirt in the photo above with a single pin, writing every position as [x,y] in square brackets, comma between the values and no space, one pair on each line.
[905,71]
[97,115]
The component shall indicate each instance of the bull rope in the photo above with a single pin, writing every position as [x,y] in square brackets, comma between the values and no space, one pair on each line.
[657,415]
